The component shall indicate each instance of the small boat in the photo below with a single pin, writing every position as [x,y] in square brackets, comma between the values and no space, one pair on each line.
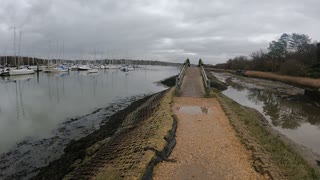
[93,71]
[94,67]
[113,67]
[15,72]
[55,70]
[74,68]
[84,68]
[103,67]
[127,68]
[60,69]
[124,68]
[130,68]
[4,72]
[47,69]
[35,68]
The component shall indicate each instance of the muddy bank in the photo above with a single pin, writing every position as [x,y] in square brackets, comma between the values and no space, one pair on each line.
[215,83]
[125,147]
[311,93]
[282,90]
[303,82]
[273,152]
[169,82]
[24,159]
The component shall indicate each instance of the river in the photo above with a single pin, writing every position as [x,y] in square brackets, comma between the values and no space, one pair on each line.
[40,114]
[283,105]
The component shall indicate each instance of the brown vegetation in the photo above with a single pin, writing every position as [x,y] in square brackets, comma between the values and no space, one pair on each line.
[303,81]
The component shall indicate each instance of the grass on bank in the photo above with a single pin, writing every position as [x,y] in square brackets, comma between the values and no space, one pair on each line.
[290,163]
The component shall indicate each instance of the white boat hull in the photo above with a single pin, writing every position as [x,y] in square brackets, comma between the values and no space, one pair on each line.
[84,68]
[93,71]
[16,72]
[4,72]
[74,68]
[60,70]
[54,70]
[113,67]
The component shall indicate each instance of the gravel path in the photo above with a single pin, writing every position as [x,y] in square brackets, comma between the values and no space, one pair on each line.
[207,147]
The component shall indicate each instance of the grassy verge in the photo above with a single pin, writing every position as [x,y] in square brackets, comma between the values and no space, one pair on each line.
[271,155]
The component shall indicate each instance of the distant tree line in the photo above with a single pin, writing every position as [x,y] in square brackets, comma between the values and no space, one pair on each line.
[13,61]
[292,54]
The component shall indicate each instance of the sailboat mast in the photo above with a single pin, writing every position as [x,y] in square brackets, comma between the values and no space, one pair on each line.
[49,53]
[14,46]
[19,50]
[62,52]
[95,53]
[4,58]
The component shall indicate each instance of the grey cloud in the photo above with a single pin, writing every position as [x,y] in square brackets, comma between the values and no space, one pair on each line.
[169,30]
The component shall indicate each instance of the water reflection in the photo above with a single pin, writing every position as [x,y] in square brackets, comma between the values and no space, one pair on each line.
[296,116]
[33,105]
[284,111]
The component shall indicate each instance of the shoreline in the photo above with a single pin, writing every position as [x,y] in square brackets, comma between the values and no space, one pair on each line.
[272,152]
[303,82]
[138,136]
[141,135]
[27,156]
[246,119]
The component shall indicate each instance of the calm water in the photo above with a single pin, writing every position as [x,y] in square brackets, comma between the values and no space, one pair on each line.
[33,106]
[296,117]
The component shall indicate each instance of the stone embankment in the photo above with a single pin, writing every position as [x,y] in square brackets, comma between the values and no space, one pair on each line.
[127,147]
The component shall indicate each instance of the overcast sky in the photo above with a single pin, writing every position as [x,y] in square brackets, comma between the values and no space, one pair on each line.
[169,30]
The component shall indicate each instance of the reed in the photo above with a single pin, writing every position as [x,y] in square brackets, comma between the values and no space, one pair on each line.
[302,81]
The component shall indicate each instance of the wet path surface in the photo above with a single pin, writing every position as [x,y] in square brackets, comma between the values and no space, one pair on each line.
[207,147]
[192,85]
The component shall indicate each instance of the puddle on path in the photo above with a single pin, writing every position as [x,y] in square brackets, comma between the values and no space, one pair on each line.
[193,109]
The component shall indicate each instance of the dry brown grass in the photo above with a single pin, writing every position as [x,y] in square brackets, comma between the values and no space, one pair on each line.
[308,82]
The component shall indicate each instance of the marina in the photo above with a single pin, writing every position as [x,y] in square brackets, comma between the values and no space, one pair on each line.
[33,105]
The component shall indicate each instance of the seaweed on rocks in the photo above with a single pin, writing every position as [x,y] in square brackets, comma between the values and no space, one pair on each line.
[25,158]
[76,150]
[119,137]
[165,153]
[170,81]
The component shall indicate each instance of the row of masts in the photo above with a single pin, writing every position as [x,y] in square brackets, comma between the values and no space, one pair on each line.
[17,59]
[33,61]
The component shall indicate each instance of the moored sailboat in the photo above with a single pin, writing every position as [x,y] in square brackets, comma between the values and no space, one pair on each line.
[84,68]
[93,71]
[18,71]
